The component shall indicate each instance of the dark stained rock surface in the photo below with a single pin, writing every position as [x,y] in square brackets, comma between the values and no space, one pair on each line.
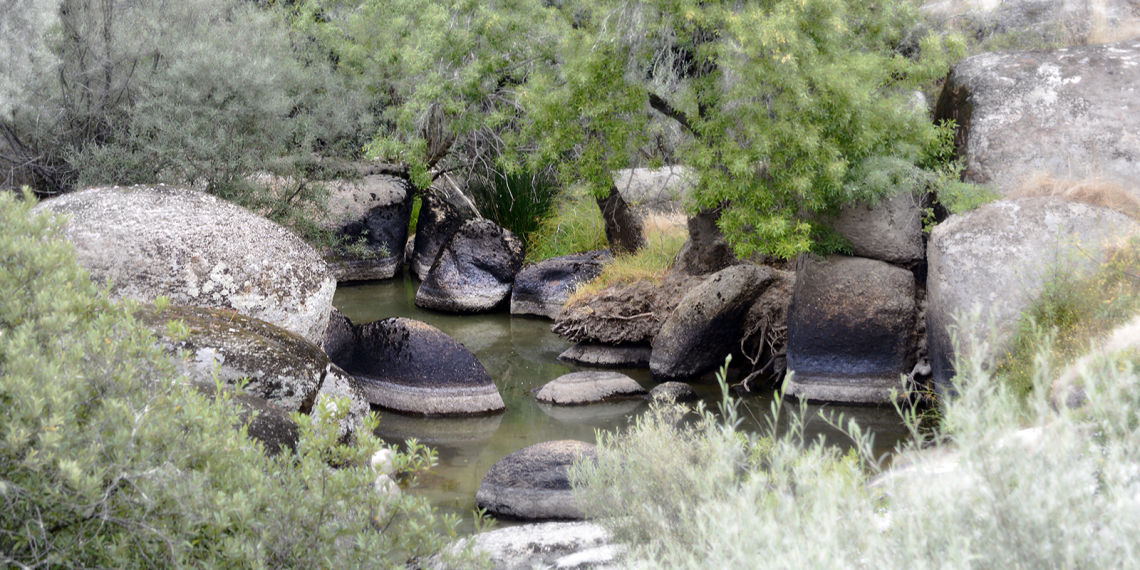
[410,366]
[587,387]
[532,484]
[373,211]
[628,355]
[340,384]
[1068,112]
[674,392]
[851,330]
[542,288]
[197,250]
[707,324]
[339,337]
[439,218]
[996,259]
[282,368]
[474,270]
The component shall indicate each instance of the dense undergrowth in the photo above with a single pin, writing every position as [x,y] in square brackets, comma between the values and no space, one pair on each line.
[108,460]
[1012,484]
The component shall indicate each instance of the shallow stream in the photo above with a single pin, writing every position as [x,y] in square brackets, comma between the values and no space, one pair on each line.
[521,354]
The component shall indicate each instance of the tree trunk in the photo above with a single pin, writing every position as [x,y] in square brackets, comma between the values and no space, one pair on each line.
[623,227]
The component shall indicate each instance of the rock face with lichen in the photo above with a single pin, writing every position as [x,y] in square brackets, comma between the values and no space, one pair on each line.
[1068,113]
[197,250]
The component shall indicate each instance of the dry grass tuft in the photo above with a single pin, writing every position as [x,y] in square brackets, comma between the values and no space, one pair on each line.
[665,234]
[1093,191]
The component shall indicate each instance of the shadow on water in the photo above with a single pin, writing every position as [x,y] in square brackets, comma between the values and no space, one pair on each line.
[521,354]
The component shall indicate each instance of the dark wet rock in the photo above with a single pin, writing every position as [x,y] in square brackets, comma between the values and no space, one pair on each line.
[705,251]
[660,190]
[440,216]
[673,392]
[474,270]
[563,545]
[587,387]
[629,355]
[410,366]
[340,384]
[281,367]
[264,422]
[624,314]
[197,250]
[593,414]
[1061,112]
[532,484]
[372,215]
[997,259]
[542,288]
[851,330]
[707,324]
[338,338]
[889,230]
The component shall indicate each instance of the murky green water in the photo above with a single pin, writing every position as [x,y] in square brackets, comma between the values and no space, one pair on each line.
[521,354]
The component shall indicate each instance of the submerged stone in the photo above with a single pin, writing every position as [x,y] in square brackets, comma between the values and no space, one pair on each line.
[589,386]
[532,483]
[627,355]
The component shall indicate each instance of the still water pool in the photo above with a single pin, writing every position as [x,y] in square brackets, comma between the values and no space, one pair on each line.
[521,354]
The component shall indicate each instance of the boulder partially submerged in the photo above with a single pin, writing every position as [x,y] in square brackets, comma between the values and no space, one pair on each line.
[474,271]
[197,250]
[532,483]
[589,386]
[542,288]
[412,367]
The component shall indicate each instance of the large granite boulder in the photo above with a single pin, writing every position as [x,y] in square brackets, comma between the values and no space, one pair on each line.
[542,288]
[474,270]
[588,387]
[707,324]
[661,190]
[197,250]
[674,392]
[1068,113]
[851,330]
[997,259]
[532,483]
[277,366]
[889,230]
[412,367]
[371,216]
[441,214]
[263,421]
[1026,24]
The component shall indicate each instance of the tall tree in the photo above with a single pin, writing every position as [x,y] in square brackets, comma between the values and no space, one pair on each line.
[788,105]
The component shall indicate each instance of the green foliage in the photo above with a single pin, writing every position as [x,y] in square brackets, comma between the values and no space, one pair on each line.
[516,201]
[108,460]
[574,226]
[417,203]
[783,101]
[1072,313]
[1058,494]
[443,70]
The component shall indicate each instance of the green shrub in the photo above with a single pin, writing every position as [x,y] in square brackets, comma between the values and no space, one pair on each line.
[107,460]
[1060,494]
[518,201]
[575,226]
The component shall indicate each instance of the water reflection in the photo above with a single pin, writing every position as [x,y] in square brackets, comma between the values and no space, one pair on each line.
[521,354]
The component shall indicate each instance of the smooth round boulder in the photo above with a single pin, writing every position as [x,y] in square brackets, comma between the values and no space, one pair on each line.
[197,250]
[532,483]
[277,365]
[371,216]
[673,392]
[707,324]
[997,260]
[589,386]
[627,355]
[889,230]
[542,288]
[412,367]
[474,270]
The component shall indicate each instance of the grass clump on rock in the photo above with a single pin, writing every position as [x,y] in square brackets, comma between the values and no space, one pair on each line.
[107,459]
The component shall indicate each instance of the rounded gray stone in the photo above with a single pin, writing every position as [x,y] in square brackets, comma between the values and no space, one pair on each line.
[197,250]
[673,392]
[589,386]
[532,483]
[474,270]
[542,288]
[627,355]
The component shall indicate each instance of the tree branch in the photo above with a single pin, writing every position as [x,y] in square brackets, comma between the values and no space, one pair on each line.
[662,106]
